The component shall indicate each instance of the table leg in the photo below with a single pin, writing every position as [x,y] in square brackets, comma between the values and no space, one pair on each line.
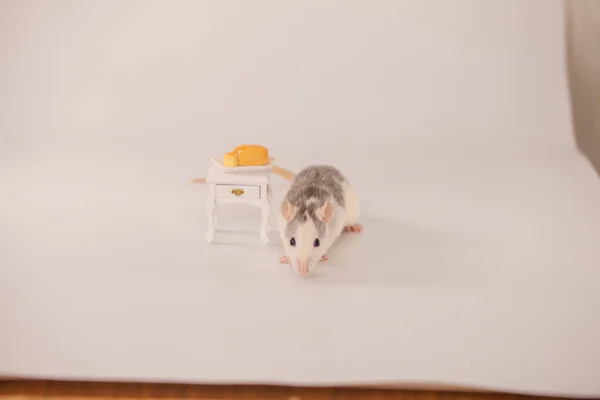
[210,216]
[270,200]
[265,207]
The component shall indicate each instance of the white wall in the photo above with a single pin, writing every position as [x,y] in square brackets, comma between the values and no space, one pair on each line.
[168,77]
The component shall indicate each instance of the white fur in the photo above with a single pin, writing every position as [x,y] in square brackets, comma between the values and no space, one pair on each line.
[352,206]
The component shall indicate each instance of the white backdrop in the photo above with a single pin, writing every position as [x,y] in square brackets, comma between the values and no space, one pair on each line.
[451,118]
[478,76]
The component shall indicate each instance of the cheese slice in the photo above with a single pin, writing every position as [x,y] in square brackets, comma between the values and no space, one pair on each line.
[230,159]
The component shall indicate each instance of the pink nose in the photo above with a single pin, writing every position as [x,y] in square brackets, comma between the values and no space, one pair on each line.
[303,268]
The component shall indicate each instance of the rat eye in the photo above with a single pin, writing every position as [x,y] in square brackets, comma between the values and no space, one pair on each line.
[292,242]
[317,243]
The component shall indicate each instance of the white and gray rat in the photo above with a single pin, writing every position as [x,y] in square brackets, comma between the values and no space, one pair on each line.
[319,205]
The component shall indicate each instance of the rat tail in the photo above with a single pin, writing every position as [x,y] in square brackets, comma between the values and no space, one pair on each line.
[284,173]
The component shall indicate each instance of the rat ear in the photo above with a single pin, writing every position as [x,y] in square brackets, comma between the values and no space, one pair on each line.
[288,210]
[325,213]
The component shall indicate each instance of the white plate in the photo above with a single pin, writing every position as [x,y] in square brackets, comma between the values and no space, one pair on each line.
[253,168]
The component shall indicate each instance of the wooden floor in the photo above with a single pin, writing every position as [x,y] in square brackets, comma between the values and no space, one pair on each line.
[30,390]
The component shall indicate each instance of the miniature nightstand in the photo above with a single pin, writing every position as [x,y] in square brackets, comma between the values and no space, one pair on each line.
[250,188]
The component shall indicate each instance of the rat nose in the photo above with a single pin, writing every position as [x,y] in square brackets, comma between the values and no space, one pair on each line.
[303,267]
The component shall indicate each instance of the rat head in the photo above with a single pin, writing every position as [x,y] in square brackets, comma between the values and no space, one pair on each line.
[303,231]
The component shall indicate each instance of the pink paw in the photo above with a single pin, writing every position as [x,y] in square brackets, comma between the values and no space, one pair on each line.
[323,258]
[353,228]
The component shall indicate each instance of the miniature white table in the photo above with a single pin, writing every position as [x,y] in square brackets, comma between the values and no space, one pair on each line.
[250,188]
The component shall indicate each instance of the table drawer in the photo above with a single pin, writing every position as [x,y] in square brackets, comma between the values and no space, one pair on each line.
[237,191]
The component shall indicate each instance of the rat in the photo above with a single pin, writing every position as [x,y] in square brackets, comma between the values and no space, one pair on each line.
[319,205]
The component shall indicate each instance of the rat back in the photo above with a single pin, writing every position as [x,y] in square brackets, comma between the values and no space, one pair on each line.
[311,189]
[317,184]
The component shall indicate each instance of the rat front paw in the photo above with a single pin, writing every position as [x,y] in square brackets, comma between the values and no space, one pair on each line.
[284,259]
[323,258]
[353,228]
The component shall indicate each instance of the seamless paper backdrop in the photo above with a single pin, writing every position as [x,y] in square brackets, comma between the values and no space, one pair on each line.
[188,77]
[479,261]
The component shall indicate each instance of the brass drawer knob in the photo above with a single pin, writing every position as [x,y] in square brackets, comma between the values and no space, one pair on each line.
[237,192]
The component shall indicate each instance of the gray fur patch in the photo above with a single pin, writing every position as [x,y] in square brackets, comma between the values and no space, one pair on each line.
[310,190]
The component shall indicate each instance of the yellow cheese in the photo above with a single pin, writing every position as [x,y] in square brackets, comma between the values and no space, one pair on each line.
[253,155]
[247,155]
[230,159]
